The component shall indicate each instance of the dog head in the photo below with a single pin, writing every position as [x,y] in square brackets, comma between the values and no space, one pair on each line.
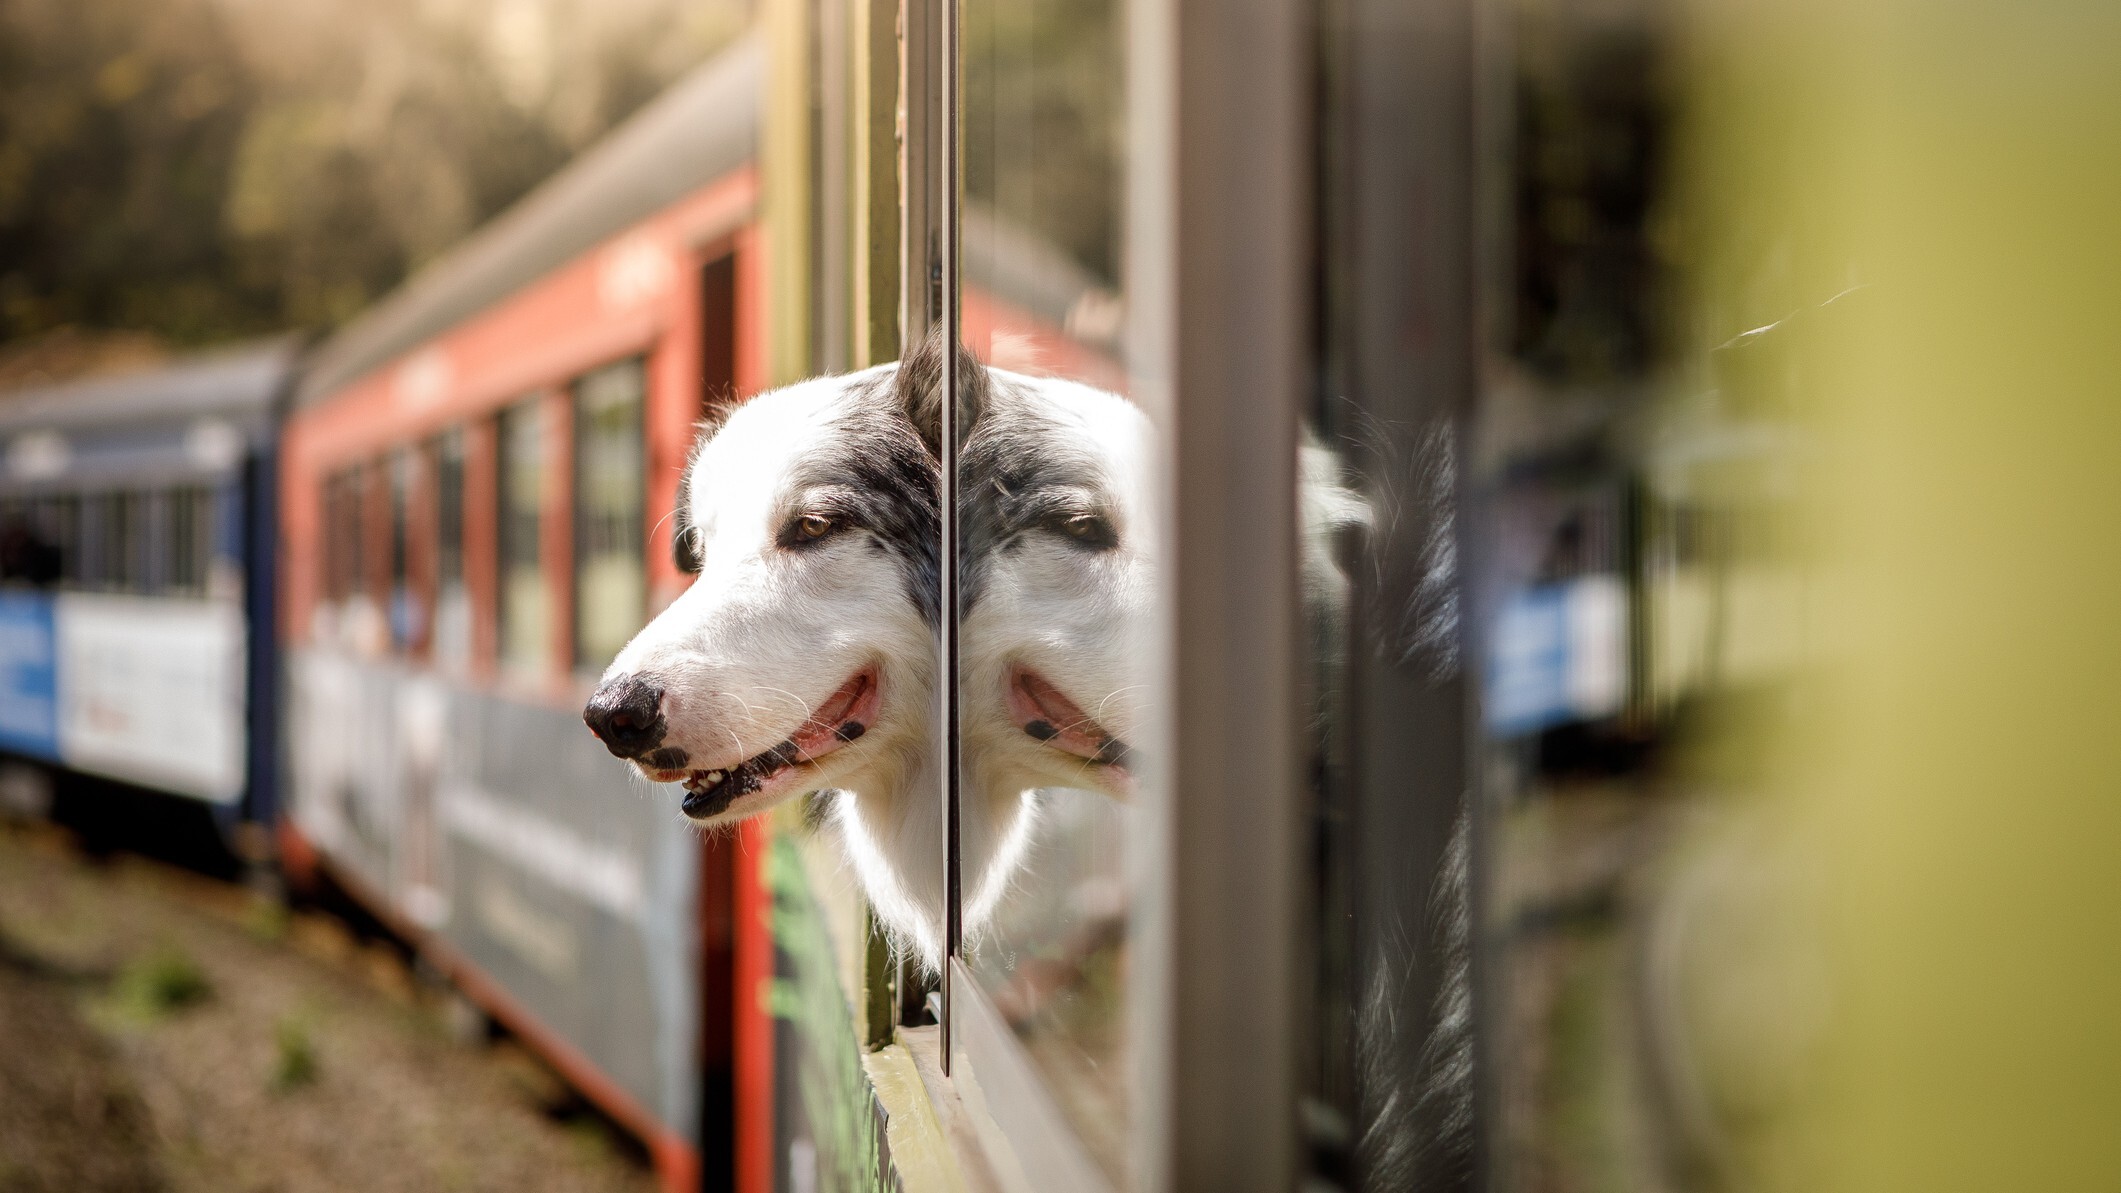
[1060,550]
[802,655]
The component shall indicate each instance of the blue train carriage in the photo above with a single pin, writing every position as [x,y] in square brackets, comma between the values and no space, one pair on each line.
[137,586]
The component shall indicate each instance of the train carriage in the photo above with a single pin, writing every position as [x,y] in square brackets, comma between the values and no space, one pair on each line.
[477,473]
[137,527]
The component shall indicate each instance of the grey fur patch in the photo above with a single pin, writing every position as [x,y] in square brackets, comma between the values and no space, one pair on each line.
[1021,475]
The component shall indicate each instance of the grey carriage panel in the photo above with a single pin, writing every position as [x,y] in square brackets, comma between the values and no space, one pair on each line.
[504,829]
[575,888]
[344,764]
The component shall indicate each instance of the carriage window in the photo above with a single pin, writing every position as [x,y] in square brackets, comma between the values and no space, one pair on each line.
[611,577]
[190,522]
[525,605]
[342,536]
[55,522]
[452,613]
[1057,621]
[117,541]
[29,553]
[61,519]
[407,610]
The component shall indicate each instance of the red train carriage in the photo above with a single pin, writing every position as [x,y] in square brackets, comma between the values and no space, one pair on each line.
[477,474]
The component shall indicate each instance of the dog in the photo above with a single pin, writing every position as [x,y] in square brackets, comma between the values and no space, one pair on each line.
[802,656]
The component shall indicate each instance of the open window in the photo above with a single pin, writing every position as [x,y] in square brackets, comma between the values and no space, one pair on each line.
[524,605]
[610,568]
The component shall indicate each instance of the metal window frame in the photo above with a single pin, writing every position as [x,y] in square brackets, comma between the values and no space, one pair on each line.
[1219,231]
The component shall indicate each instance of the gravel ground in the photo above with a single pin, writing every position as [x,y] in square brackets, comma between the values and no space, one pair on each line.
[164,1031]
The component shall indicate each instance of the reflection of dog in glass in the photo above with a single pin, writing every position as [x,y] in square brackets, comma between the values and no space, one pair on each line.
[1060,543]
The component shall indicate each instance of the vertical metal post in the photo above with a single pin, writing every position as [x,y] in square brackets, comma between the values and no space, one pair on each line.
[953,926]
[1218,171]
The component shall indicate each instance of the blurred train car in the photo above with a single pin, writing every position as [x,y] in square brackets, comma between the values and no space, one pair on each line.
[477,475]
[137,580]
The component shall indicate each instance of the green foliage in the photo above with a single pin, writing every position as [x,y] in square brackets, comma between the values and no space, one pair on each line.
[294,1054]
[267,920]
[1044,121]
[208,169]
[837,1099]
[159,983]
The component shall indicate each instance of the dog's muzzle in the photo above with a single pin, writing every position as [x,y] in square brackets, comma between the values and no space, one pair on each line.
[626,714]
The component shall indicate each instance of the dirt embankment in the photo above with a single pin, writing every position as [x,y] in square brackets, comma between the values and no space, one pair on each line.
[164,1032]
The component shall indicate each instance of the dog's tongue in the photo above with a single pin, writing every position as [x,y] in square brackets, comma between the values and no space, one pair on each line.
[1045,713]
[844,716]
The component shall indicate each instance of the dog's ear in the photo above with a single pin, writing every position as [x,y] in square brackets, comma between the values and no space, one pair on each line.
[918,386]
[684,537]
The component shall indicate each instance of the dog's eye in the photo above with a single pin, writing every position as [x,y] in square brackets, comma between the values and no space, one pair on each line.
[809,528]
[1088,530]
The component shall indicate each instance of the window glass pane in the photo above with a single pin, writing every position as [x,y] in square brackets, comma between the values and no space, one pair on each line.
[1057,556]
[408,598]
[64,530]
[29,546]
[1387,1063]
[611,578]
[127,539]
[189,540]
[352,537]
[452,632]
[525,603]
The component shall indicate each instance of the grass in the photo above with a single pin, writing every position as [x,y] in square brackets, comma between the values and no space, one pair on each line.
[294,1054]
[160,983]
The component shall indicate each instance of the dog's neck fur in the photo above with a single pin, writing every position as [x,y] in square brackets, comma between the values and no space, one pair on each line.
[892,831]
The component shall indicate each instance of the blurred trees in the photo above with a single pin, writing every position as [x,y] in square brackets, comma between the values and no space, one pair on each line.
[206,169]
[1045,121]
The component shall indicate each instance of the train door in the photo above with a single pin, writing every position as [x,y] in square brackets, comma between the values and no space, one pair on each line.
[718,865]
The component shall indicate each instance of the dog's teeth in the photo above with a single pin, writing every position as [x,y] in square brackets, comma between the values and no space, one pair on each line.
[715,776]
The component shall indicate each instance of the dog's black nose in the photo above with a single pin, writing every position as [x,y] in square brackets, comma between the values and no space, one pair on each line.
[627,715]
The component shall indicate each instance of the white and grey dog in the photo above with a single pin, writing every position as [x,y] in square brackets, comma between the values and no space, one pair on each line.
[802,658]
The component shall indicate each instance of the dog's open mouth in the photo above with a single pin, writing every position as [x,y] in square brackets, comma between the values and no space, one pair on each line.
[841,718]
[1042,711]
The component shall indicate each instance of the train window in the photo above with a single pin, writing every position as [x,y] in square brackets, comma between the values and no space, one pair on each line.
[452,612]
[54,521]
[136,542]
[96,523]
[28,552]
[610,571]
[408,600]
[525,604]
[1386,1076]
[1048,924]
[190,521]
[339,543]
[351,615]
[353,507]
[114,541]
[62,523]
